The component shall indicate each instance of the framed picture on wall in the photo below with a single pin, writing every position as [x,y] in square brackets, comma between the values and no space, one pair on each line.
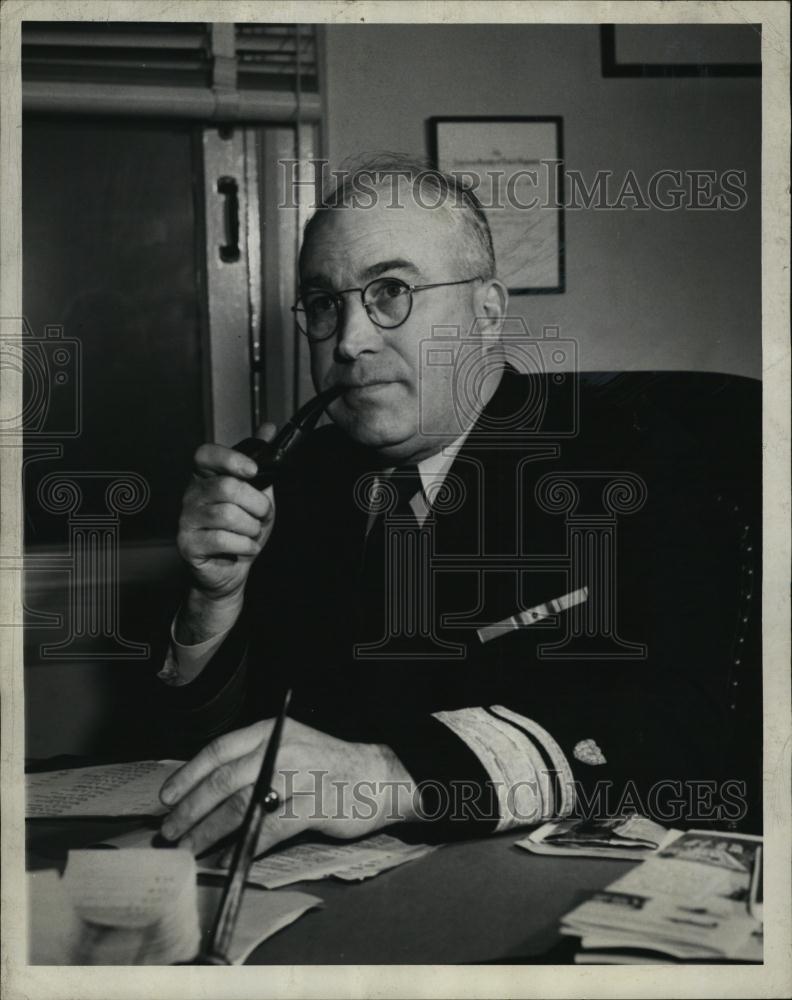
[515,167]
[675,50]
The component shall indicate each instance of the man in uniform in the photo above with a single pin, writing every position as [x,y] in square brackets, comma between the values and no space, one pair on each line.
[500,592]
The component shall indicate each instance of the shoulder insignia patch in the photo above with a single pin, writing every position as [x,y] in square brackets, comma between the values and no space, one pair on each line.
[587,752]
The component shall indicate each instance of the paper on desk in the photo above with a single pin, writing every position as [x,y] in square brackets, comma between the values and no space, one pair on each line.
[261,915]
[127,888]
[143,837]
[351,862]
[689,898]
[57,932]
[699,865]
[626,838]
[138,906]
[661,924]
[53,924]
[132,907]
[747,948]
[129,789]
[625,940]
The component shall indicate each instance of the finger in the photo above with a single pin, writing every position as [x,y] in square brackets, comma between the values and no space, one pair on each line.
[225,781]
[200,815]
[231,517]
[223,784]
[217,824]
[225,489]
[266,432]
[216,459]
[225,820]
[211,543]
[221,751]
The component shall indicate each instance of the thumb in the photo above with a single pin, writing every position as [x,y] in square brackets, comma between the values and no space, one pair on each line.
[266,432]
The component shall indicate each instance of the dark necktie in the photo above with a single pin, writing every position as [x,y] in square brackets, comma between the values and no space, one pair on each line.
[378,576]
[402,484]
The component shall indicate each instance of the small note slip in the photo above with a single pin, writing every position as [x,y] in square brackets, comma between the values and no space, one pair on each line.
[141,907]
[350,862]
[129,789]
[131,907]
[624,838]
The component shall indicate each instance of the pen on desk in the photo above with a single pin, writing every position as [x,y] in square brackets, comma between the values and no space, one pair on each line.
[263,800]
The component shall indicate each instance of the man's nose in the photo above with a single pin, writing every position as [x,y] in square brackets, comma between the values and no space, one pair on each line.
[356,334]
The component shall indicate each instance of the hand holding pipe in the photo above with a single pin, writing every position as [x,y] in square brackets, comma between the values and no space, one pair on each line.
[270,456]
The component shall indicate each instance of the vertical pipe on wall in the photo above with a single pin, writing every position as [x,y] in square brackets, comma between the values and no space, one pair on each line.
[300,161]
[254,275]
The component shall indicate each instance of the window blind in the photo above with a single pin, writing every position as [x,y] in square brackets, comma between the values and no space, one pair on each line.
[251,71]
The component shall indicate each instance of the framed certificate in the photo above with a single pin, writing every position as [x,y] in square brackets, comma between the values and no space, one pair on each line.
[515,167]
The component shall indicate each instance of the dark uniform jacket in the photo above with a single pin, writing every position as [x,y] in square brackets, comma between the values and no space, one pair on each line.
[642,487]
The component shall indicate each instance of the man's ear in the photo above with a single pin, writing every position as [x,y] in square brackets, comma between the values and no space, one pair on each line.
[493,301]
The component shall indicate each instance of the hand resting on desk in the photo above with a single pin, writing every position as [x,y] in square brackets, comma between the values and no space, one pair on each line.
[345,790]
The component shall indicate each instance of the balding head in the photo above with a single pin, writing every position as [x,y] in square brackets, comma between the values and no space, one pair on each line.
[399,182]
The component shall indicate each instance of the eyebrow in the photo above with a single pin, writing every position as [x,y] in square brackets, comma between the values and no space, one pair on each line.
[397,264]
[374,271]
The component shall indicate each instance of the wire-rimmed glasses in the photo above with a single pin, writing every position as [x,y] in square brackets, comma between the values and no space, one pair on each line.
[388,302]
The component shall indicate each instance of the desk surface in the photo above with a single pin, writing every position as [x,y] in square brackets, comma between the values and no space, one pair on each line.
[476,901]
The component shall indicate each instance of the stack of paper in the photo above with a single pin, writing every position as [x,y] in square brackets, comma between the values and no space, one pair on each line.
[689,901]
[129,789]
[629,838]
[351,862]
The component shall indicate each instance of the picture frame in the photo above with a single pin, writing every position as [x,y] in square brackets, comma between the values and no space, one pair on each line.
[514,165]
[631,51]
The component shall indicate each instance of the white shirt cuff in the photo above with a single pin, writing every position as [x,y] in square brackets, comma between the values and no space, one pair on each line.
[184,663]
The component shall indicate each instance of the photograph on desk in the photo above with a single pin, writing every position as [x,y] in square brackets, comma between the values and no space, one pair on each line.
[389,465]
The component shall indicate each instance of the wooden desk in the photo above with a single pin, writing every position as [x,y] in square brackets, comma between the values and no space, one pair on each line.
[475,901]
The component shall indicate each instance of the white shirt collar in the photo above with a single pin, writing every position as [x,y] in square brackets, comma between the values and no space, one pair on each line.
[432,471]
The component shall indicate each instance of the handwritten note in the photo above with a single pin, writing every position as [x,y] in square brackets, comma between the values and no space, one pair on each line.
[350,862]
[130,789]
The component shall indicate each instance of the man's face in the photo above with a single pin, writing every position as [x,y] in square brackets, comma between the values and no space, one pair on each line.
[390,402]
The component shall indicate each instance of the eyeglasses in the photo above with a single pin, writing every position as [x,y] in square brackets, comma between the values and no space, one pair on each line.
[388,302]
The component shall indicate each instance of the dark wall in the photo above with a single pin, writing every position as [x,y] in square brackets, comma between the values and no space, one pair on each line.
[111,245]
[110,254]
